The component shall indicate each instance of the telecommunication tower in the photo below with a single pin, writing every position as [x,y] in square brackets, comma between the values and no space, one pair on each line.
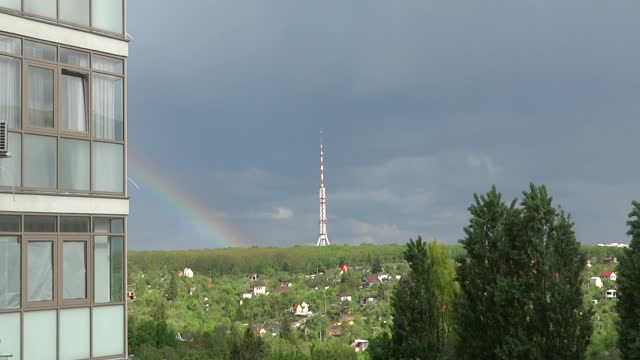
[323,239]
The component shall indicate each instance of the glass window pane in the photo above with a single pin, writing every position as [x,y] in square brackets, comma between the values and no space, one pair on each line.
[108,330]
[40,271]
[108,269]
[75,11]
[9,223]
[77,224]
[108,225]
[74,57]
[74,164]
[108,106]
[8,44]
[103,63]
[10,335]
[40,223]
[11,4]
[10,172]
[40,97]
[45,8]
[10,91]
[108,168]
[74,269]
[73,101]
[40,161]
[9,272]
[107,15]
[40,335]
[117,225]
[40,51]
[74,334]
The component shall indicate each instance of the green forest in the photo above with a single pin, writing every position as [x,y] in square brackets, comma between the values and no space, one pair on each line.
[517,285]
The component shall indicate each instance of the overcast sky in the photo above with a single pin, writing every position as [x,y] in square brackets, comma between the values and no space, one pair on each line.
[423,102]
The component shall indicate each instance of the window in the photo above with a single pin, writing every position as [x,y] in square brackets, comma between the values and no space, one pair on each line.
[40,223]
[46,8]
[107,15]
[11,170]
[74,224]
[40,334]
[9,223]
[10,45]
[10,272]
[40,161]
[10,334]
[108,225]
[74,164]
[73,101]
[74,57]
[74,333]
[108,107]
[108,269]
[108,167]
[40,271]
[39,51]
[107,64]
[40,97]
[75,11]
[108,330]
[11,4]
[74,270]
[10,90]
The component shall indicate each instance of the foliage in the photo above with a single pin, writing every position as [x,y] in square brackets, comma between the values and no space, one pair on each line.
[520,279]
[629,291]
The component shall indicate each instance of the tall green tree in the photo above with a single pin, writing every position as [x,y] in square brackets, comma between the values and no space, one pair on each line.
[629,292]
[520,279]
[172,291]
[376,266]
[422,303]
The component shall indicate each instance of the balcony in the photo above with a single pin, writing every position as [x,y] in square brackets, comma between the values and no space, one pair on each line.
[101,16]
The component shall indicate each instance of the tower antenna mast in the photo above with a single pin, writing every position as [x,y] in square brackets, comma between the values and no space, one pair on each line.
[323,239]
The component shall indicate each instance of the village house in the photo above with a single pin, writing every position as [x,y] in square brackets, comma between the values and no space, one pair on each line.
[259,289]
[192,290]
[595,281]
[344,297]
[611,294]
[280,289]
[184,337]
[367,300]
[589,264]
[360,345]
[301,309]
[609,275]
[187,273]
[247,295]
[371,279]
[131,294]
[344,268]
[253,277]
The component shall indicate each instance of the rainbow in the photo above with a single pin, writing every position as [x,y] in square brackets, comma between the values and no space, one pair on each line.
[208,221]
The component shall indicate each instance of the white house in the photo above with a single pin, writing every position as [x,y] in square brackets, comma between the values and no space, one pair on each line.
[187,272]
[596,281]
[259,289]
[344,297]
[301,309]
[247,295]
[609,275]
[360,345]
[611,294]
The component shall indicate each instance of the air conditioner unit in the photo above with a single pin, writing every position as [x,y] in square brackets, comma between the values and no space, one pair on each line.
[4,139]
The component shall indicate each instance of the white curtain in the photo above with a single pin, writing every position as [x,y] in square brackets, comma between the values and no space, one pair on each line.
[10,91]
[74,270]
[9,272]
[74,110]
[40,271]
[108,167]
[40,97]
[108,109]
[102,269]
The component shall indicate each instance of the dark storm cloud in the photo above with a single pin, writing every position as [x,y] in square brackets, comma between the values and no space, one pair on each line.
[424,103]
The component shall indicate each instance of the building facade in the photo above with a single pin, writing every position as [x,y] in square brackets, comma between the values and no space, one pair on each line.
[63,190]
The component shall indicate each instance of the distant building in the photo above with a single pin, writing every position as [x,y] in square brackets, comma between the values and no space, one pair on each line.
[344,297]
[371,279]
[609,275]
[253,277]
[595,281]
[259,289]
[184,337]
[360,345]
[611,294]
[615,244]
[188,273]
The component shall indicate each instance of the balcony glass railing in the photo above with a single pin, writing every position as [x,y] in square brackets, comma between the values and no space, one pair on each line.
[103,15]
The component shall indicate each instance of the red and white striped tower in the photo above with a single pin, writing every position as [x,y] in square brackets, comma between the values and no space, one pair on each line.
[323,239]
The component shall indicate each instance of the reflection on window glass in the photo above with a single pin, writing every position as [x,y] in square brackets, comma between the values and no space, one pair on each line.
[39,51]
[40,97]
[108,269]
[9,223]
[45,8]
[11,174]
[40,223]
[77,224]
[74,269]
[73,102]
[108,225]
[10,91]
[108,167]
[74,164]
[11,4]
[107,15]
[108,64]
[74,57]
[40,161]
[9,272]
[75,11]
[108,106]
[40,271]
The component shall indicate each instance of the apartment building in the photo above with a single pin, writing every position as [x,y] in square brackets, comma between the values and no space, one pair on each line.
[63,189]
